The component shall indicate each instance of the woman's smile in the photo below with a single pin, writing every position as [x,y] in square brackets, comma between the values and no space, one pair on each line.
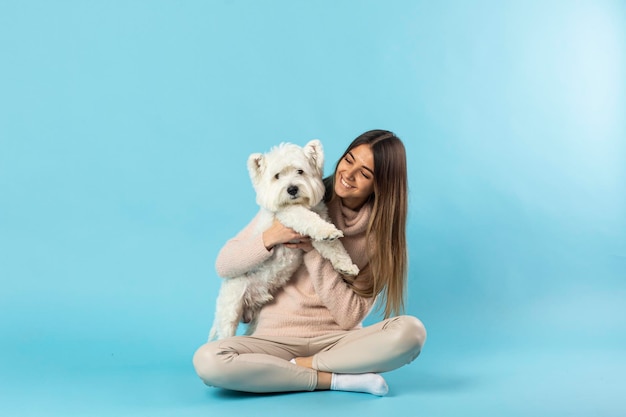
[354,181]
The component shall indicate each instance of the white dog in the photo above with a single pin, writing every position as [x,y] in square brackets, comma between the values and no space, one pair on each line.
[289,187]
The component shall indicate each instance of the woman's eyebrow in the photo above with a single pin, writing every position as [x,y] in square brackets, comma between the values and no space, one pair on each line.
[364,167]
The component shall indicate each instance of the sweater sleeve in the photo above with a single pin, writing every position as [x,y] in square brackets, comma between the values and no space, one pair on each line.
[347,308]
[242,253]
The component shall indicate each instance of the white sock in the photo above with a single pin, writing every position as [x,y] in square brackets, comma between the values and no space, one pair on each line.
[368,383]
[293,361]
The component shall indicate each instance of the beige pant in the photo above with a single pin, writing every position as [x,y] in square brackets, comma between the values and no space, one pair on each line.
[261,364]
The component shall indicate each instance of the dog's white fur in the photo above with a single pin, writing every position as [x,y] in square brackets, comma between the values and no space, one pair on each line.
[289,187]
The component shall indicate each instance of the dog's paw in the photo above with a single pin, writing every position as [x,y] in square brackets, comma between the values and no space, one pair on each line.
[327,233]
[336,234]
[348,270]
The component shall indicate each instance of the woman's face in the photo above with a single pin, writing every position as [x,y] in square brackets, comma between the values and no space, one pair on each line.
[354,179]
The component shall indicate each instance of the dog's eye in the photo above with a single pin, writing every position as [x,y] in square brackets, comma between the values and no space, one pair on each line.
[276,176]
[300,172]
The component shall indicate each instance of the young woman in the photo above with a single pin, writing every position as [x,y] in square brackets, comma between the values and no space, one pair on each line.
[310,337]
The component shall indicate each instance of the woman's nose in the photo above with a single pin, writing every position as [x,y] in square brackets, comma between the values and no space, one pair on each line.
[350,172]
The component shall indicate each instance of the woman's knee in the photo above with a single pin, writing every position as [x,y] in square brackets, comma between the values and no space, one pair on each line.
[410,332]
[208,363]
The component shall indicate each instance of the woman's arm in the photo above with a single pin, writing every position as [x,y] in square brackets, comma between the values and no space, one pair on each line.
[248,249]
[242,253]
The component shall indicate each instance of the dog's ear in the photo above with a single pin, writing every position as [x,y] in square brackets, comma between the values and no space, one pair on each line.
[315,152]
[256,166]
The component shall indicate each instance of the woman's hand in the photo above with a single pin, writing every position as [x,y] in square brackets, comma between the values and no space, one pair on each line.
[278,234]
[304,244]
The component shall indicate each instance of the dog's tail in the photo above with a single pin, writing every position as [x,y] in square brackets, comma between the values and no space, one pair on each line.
[213,334]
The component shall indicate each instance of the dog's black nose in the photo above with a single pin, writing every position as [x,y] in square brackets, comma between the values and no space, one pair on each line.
[292,190]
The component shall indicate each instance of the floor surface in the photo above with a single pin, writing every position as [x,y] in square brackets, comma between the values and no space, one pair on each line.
[480,377]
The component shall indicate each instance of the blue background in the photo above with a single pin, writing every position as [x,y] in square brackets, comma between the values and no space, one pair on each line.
[124,131]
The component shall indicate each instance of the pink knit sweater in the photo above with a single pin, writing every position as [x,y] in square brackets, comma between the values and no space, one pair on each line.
[316,300]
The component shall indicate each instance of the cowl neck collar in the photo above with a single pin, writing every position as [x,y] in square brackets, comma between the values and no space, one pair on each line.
[351,222]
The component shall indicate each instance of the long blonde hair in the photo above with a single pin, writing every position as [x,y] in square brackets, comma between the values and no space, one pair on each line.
[386,231]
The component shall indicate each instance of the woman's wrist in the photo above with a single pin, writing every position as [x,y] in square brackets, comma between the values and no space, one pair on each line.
[269,245]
